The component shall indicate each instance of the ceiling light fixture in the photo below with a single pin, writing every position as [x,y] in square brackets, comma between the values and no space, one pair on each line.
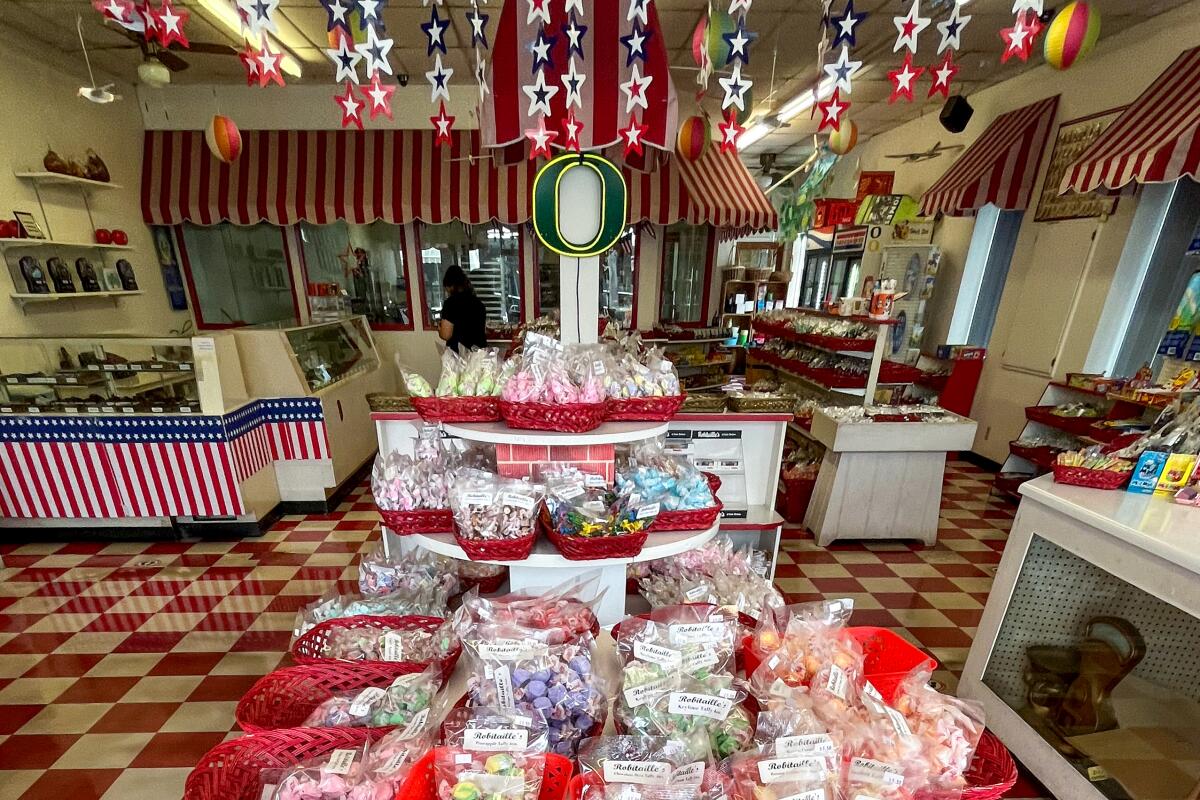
[794,108]
[226,14]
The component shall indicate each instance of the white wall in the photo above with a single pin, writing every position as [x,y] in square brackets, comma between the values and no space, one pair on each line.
[1115,74]
[42,111]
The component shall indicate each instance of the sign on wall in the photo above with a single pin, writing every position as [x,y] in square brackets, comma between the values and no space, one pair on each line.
[1074,137]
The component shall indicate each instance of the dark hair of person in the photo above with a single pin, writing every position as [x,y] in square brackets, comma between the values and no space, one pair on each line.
[456,279]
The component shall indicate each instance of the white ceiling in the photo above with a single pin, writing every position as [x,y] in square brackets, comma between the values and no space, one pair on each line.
[783,60]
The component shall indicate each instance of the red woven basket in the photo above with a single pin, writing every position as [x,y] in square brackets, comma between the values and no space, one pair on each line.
[645,409]
[992,772]
[233,770]
[1091,478]
[458,409]
[565,417]
[588,548]
[426,520]
[421,783]
[484,585]
[285,697]
[497,549]
[310,648]
[694,520]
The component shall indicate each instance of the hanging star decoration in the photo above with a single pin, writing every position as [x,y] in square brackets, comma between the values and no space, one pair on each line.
[542,47]
[442,123]
[735,87]
[635,42]
[1036,6]
[375,51]
[632,135]
[730,132]
[942,75]
[479,41]
[538,9]
[573,82]
[249,57]
[574,33]
[345,60]
[1018,40]
[370,13]
[539,94]
[739,40]
[572,127]
[439,79]
[478,23]
[351,107]
[146,14]
[434,31]
[481,76]
[337,10]
[638,9]
[268,64]
[380,95]
[259,15]
[572,5]
[832,111]
[119,11]
[844,27]
[951,30]
[843,70]
[541,138]
[910,27]
[739,5]
[168,24]
[635,88]
[904,80]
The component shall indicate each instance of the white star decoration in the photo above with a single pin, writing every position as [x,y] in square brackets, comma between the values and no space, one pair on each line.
[539,94]
[481,75]
[951,30]
[439,79]
[638,10]
[635,88]
[538,9]
[345,60]
[910,27]
[575,4]
[734,5]
[372,47]
[575,79]
[369,9]
[735,89]
[843,70]
[255,21]
[117,11]
[541,50]
[1036,6]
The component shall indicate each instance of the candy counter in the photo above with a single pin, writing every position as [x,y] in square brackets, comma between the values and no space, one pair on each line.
[1087,658]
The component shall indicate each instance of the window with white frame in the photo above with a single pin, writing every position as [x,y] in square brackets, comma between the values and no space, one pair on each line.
[489,254]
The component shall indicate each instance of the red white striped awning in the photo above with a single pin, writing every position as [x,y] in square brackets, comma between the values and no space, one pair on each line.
[284,177]
[1155,140]
[1001,167]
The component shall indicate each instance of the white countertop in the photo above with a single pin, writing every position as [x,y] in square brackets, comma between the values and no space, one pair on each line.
[1157,525]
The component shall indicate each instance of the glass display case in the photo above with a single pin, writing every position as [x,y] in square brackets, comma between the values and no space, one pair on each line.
[99,375]
[286,361]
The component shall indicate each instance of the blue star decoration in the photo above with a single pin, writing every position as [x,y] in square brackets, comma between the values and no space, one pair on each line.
[370,12]
[635,42]
[337,11]
[542,47]
[478,27]
[739,41]
[434,30]
[845,25]
[574,33]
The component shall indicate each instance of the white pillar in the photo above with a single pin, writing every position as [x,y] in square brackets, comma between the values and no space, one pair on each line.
[579,299]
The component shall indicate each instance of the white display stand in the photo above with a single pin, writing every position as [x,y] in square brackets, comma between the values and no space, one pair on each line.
[882,480]
[1075,554]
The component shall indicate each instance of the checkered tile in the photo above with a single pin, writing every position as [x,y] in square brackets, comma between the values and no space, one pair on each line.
[121,663]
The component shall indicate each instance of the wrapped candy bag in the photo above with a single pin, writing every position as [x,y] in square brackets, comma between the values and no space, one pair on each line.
[404,483]
[431,603]
[383,644]
[392,757]
[663,372]
[616,766]
[330,605]
[771,774]
[671,481]
[562,612]
[491,754]
[698,640]
[947,728]
[714,705]
[812,640]
[487,506]
[341,775]
[417,572]
[415,384]
[452,368]
[788,723]
[405,702]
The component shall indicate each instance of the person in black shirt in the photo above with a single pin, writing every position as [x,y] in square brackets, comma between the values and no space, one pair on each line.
[463,318]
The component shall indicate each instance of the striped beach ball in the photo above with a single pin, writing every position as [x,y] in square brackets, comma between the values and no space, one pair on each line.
[695,133]
[1072,35]
[718,49]
[698,38]
[844,139]
[224,139]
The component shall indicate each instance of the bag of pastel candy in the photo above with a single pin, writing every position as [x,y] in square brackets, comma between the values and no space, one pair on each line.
[452,370]
[406,701]
[671,481]
[682,704]
[417,573]
[630,766]
[563,612]
[697,639]
[947,728]
[663,370]
[340,775]
[490,754]
[771,774]
[797,642]
[489,507]
[787,722]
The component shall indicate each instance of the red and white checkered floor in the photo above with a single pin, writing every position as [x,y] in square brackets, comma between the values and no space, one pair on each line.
[121,663]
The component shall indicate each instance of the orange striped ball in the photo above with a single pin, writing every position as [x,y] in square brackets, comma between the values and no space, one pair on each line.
[844,139]
[694,135]
[224,139]
[1072,35]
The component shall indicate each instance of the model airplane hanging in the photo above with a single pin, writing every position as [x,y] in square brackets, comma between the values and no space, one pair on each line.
[937,151]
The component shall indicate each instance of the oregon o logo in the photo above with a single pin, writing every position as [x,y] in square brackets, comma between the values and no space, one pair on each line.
[595,217]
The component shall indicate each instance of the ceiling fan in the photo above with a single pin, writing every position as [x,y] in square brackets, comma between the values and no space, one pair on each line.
[159,62]
[937,151]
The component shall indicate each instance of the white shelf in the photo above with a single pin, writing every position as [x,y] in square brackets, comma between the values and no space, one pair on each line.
[893,437]
[51,178]
[608,433]
[31,243]
[28,297]
[545,555]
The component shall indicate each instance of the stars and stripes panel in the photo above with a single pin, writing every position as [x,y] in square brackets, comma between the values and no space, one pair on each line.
[999,168]
[1155,140]
[276,429]
[56,479]
[171,479]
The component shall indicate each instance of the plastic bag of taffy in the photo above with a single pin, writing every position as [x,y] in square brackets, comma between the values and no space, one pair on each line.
[947,728]
[405,702]
[788,725]
[347,774]
[699,640]
[786,632]
[815,650]
[883,759]
[491,754]
[771,776]
[715,706]
[610,762]
[564,611]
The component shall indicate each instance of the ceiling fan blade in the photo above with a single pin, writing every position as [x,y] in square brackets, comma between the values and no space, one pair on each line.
[170,60]
[208,48]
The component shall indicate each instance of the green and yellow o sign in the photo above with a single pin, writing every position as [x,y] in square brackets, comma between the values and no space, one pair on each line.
[579,205]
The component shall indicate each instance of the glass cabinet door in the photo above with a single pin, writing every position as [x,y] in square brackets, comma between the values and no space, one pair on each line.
[333,352]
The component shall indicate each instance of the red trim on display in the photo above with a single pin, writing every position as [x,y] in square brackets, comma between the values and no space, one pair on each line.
[731,525]
[287,259]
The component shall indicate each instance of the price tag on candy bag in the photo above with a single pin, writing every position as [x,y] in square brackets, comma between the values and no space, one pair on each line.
[393,646]
[778,770]
[700,705]
[657,654]
[415,724]
[648,510]
[813,744]
[868,770]
[697,632]
[365,700]
[340,761]
[495,739]
[811,794]
[689,774]
[522,501]
[838,682]
[643,773]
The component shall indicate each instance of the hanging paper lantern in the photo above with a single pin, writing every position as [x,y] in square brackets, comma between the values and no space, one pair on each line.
[698,36]
[844,139]
[718,49]
[223,139]
[1072,35]
[695,133]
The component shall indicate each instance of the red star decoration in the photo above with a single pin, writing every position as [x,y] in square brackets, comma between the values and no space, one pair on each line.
[168,24]
[832,111]
[268,64]
[442,124]
[633,135]
[351,107]
[942,75]
[249,57]
[730,132]
[541,138]
[572,127]
[1018,40]
[146,15]
[117,10]
[380,96]
[904,80]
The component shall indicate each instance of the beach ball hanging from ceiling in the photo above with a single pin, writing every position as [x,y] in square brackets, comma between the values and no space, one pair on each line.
[719,23]
[223,139]
[695,134]
[1072,35]
[698,36]
[844,139]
